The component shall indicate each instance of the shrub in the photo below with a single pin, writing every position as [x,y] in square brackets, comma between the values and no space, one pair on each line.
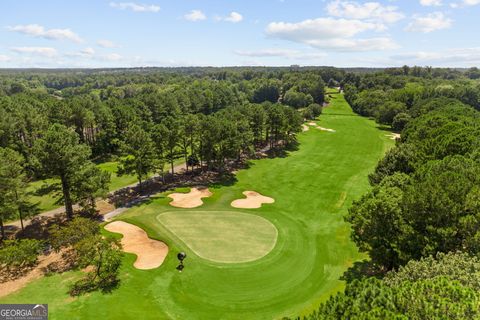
[400,121]
[16,255]
[73,232]
[105,256]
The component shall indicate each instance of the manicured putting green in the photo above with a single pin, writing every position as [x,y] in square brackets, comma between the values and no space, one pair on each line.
[222,236]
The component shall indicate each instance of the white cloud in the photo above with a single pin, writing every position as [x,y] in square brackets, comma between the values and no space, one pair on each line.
[234,17]
[321,28]
[88,51]
[464,3]
[90,55]
[36,30]
[135,7]
[4,58]
[107,44]
[84,53]
[195,15]
[431,3]
[330,33]
[429,23]
[451,57]
[285,53]
[368,44]
[42,51]
[374,11]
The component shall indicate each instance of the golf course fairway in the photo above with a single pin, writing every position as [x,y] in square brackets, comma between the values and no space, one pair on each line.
[312,187]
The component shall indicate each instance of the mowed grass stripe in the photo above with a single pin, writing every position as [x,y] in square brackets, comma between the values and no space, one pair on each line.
[222,236]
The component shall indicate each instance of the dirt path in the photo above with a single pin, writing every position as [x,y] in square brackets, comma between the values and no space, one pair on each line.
[43,261]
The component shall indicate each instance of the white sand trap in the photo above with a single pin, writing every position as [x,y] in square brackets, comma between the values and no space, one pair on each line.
[305,128]
[192,199]
[325,129]
[254,200]
[393,136]
[150,253]
[313,124]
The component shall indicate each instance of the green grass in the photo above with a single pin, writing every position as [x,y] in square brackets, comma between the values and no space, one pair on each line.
[312,188]
[48,201]
[221,236]
[116,181]
[45,201]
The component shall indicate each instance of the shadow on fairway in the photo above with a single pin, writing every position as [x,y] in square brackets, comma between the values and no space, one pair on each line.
[361,270]
[227,179]
[283,152]
[47,188]
[384,128]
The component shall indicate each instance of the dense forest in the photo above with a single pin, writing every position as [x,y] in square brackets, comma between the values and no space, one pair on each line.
[419,223]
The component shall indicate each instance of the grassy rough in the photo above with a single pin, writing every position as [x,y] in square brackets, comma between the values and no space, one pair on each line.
[312,188]
[48,200]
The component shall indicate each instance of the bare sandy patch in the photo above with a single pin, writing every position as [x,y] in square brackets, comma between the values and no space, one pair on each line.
[150,253]
[325,129]
[104,207]
[305,127]
[189,200]
[313,124]
[9,287]
[254,200]
[393,136]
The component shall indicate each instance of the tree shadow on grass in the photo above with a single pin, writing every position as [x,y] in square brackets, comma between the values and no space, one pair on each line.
[385,128]
[362,270]
[226,179]
[47,188]
[38,228]
[85,285]
[283,152]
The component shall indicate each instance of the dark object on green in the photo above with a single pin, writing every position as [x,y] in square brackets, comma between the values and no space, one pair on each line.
[181,256]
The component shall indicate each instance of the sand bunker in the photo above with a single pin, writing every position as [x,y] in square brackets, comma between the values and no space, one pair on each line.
[393,136]
[192,199]
[325,129]
[254,200]
[150,253]
[313,124]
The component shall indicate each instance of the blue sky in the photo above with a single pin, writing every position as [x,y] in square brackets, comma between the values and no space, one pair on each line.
[123,33]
